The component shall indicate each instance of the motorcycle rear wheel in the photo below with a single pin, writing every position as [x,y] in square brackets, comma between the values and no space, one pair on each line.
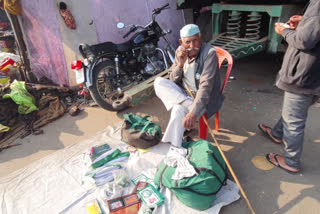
[103,90]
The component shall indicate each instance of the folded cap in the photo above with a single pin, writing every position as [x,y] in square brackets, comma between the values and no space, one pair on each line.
[189,30]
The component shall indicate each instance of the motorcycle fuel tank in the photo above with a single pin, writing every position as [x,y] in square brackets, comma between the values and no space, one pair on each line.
[144,37]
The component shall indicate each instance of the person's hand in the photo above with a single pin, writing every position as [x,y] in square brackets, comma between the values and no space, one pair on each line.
[182,55]
[294,21]
[189,121]
[279,28]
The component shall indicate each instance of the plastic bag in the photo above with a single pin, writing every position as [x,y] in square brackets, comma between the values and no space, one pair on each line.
[21,96]
[115,188]
[121,178]
[111,190]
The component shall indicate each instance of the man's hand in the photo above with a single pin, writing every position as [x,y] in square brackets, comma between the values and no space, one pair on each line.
[294,21]
[279,28]
[182,55]
[189,121]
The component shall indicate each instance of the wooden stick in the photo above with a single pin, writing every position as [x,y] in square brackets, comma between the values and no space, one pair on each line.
[225,159]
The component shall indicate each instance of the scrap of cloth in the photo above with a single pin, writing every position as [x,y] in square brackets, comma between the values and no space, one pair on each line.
[55,184]
[12,6]
[4,128]
[55,110]
[177,158]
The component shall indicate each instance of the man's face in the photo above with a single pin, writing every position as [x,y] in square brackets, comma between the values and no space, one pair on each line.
[192,44]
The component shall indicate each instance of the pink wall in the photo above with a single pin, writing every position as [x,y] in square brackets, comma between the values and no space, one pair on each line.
[107,15]
[40,24]
[44,41]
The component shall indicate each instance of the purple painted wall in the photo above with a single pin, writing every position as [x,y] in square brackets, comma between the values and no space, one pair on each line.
[107,15]
[43,36]
[44,41]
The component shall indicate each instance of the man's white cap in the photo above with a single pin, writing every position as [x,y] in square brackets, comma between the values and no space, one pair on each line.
[189,30]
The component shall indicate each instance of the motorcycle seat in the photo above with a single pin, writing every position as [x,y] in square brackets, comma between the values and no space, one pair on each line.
[110,47]
[101,48]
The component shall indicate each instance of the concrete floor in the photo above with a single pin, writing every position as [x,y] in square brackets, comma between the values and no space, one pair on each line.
[250,98]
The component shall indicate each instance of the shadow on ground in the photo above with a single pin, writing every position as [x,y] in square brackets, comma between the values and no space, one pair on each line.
[251,98]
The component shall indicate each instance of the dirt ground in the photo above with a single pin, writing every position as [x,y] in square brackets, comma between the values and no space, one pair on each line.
[250,99]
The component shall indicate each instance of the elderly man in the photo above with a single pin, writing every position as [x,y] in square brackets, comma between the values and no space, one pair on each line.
[300,79]
[195,67]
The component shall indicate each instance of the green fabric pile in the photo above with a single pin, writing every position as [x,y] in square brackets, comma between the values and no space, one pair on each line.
[22,97]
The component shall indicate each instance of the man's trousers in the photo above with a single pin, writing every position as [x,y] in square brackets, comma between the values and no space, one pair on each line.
[176,100]
[290,127]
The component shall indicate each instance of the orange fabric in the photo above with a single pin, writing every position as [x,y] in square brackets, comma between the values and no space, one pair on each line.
[12,6]
[68,18]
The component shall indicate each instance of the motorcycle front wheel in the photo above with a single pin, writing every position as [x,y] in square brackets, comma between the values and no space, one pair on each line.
[103,90]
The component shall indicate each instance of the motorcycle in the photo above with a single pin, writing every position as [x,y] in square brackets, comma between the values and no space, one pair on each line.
[109,69]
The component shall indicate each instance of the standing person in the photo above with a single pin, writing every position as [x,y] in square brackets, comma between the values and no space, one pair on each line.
[299,77]
[195,66]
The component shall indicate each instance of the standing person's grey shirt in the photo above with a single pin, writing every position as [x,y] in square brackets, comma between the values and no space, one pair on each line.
[300,71]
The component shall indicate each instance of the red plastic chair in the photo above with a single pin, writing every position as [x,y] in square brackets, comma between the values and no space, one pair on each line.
[222,56]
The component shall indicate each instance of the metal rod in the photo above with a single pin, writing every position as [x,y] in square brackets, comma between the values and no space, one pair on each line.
[164,57]
[224,158]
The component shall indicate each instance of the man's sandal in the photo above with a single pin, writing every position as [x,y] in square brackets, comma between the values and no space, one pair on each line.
[266,130]
[277,164]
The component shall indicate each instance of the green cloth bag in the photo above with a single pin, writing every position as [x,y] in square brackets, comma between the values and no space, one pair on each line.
[140,132]
[198,191]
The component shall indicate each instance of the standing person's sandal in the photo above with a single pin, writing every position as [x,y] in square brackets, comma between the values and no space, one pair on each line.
[266,130]
[67,16]
[277,163]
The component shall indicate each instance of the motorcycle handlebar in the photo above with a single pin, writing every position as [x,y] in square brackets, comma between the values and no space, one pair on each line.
[127,34]
[158,10]
[133,28]
[164,6]
[154,12]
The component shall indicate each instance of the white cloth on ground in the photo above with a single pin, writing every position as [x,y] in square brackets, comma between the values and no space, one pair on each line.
[176,100]
[54,183]
[176,157]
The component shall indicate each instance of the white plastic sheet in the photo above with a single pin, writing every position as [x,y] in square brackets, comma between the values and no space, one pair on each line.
[56,184]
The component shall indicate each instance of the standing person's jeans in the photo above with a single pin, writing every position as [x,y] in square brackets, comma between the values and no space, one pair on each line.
[290,127]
